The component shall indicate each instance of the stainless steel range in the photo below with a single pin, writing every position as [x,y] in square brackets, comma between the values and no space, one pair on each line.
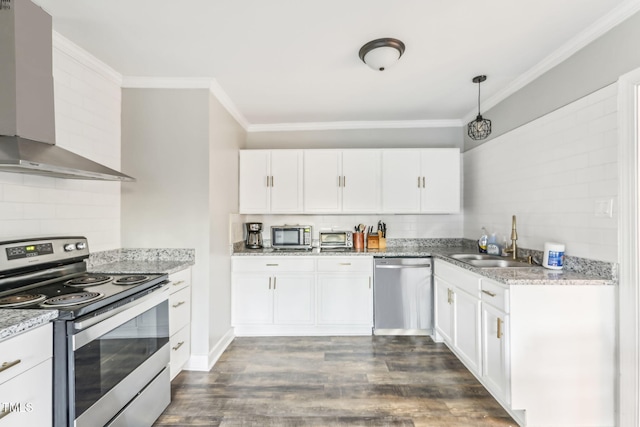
[111,339]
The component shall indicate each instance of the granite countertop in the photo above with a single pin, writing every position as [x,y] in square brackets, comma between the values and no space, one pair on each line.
[16,321]
[140,267]
[587,272]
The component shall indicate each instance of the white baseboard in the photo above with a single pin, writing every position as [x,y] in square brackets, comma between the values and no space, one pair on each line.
[205,363]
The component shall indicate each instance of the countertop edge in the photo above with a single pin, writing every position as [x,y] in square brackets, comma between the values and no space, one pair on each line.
[15,321]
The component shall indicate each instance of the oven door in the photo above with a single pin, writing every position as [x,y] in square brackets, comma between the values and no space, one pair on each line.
[120,357]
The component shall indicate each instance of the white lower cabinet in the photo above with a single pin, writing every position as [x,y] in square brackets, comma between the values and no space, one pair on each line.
[179,320]
[546,352]
[293,296]
[345,294]
[26,379]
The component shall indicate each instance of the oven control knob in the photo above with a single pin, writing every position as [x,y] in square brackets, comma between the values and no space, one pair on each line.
[69,247]
[81,245]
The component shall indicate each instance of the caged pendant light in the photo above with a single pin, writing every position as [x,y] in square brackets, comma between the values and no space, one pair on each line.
[479,128]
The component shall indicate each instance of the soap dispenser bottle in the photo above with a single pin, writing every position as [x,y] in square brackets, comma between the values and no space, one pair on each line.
[482,242]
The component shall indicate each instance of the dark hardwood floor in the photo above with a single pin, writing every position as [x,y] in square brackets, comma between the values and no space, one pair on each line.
[333,381]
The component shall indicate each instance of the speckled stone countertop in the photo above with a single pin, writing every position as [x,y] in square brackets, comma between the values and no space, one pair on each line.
[16,321]
[583,271]
[141,261]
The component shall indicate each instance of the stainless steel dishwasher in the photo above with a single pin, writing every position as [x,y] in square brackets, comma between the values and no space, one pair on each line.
[402,296]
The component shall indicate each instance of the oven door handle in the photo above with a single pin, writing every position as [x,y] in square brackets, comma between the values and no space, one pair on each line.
[95,327]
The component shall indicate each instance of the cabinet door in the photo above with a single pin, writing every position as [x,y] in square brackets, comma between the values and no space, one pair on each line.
[322,180]
[400,181]
[252,299]
[495,368]
[345,300]
[361,181]
[286,181]
[443,315]
[467,329]
[440,168]
[26,398]
[253,185]
[293,299]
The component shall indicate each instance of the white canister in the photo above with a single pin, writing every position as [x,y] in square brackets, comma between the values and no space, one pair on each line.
[553,256]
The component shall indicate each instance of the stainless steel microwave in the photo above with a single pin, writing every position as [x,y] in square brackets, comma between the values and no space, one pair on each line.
[291,236]
[336,240]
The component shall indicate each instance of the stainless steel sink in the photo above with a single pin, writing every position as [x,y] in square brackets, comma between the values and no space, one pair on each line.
[497,263]
[488,261]
[468,257]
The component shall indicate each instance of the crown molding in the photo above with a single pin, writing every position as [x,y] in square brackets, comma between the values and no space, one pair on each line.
[228,104]
[395,124]
[598,29]
[67,47]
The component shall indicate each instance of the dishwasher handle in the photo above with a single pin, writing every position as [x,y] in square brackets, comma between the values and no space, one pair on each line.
[403,266]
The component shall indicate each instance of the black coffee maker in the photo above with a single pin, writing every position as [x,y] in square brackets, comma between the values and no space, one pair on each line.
[254,235]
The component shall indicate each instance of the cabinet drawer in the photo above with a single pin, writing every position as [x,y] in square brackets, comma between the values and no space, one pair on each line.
[179,310]
[461,278]
[495,294]
[180,350]
[345,264]
[26,399]
[25,351]
[272,264]
[180,280]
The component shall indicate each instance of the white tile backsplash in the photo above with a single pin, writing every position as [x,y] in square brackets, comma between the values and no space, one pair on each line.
[550,173]
[88,123]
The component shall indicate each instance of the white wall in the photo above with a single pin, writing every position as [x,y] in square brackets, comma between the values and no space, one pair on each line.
[87,104]
[551,173]
[226,136]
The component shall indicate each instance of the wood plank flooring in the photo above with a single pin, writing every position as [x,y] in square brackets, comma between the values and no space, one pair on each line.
[333,381]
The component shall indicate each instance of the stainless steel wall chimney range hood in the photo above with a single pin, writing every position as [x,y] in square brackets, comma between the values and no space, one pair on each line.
[27,127]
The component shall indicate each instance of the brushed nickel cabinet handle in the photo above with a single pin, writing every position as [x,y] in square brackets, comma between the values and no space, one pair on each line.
[269,282]
[178,345]
[4,413]
[272,265]
[178,304]
[178,283]
[344,181]
[272,180]
[418,182]
[369,282]
[344,263]
[491,294]
[7,365]
[274,283]
[499,335]
[423,184]
[267,180]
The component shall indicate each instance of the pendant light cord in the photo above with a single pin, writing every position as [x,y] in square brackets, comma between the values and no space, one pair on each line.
[478,98]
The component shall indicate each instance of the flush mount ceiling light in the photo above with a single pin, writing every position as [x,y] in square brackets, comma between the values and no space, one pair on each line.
[479,128]
[380,54]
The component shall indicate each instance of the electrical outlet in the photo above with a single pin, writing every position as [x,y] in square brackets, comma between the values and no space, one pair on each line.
[604,208]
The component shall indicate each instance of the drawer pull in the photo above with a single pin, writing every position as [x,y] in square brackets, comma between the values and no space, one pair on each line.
[274,283]
[499,335]
[178,345]
[178,283]
[491,294]
[178,304]
[269,283]
[7,365]
[272,265]
[345,263]
[4,413]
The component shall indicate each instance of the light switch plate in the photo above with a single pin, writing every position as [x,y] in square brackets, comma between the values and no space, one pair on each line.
[604,208]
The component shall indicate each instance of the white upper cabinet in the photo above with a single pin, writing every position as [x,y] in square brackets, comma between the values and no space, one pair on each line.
[421,180]
[342,181]
[270,181]
[350,181]
[322,180]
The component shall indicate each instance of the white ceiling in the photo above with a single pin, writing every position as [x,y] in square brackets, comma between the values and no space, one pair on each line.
[296,61]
